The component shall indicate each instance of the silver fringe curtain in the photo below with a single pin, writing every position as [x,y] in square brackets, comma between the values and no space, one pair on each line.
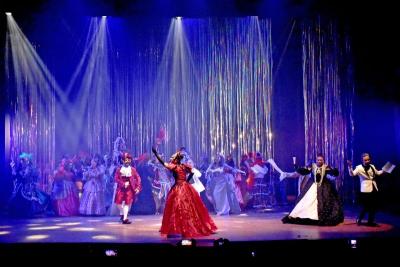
[328,93]
[207,86]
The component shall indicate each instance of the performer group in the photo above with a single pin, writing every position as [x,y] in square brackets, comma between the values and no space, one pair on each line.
[185,193]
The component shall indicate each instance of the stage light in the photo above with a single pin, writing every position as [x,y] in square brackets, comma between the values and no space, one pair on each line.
[111,253]
[44,227]
[8,13]
[353,243]
[221,242]
[104,17]
[104,237]
[178,18]
[82,229]
[36,237]
[68,224]
[186,243]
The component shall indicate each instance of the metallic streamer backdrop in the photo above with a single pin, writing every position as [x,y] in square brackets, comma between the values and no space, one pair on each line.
[208,85]
[206,82]
[328,91]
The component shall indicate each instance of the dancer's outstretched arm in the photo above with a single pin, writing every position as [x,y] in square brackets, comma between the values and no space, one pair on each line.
[157,156]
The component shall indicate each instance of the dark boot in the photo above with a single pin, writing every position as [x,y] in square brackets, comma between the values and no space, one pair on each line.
[126,221]
[360,217]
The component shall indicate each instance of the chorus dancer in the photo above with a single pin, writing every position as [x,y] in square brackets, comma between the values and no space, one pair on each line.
[128,186]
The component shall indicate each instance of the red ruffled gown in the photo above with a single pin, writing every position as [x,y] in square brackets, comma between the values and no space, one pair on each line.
[185,214]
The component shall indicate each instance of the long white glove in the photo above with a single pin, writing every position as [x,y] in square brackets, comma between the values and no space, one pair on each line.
[273,164]
[283,175]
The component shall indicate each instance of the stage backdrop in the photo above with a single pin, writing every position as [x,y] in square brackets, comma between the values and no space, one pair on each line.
[205,83]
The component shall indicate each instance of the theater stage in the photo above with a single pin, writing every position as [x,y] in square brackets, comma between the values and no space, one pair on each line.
[247,232]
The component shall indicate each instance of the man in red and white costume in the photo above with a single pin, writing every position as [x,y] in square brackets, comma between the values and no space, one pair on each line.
[128,186]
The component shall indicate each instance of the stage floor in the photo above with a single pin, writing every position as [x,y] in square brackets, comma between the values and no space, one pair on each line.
[250,226]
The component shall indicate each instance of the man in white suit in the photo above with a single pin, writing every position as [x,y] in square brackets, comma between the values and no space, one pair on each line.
[368,188]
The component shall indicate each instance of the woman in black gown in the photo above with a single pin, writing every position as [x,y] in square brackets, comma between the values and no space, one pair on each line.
[319,202]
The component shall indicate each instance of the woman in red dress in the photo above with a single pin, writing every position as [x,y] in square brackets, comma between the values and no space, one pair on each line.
[184,213]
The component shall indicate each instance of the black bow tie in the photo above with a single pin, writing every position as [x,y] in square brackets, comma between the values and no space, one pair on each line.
[367,167]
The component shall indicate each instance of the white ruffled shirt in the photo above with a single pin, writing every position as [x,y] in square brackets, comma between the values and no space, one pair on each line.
[126,171]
